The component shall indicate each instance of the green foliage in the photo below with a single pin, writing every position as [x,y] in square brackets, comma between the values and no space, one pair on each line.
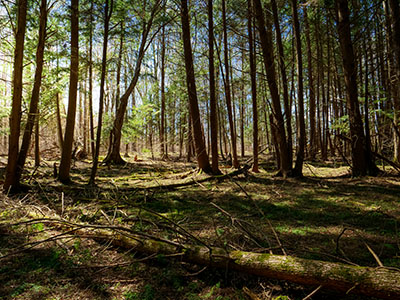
[148,293]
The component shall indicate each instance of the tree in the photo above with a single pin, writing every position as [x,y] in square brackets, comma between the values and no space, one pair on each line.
[298,168]
[362,161]
[228,89]
[395,43]
[66,155]
[162,125]
[15,119]
[201,154]
[282,67]
[312,138]
[113,155]
[253,86]
[33,115]
[213,100]
[107,16]
[285,167]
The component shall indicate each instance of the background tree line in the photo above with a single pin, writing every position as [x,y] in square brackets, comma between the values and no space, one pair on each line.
[301,80]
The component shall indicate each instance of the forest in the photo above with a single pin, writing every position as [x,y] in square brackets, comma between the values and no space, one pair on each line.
[200,149]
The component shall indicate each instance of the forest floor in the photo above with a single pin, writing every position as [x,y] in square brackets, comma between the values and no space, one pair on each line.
[327,215]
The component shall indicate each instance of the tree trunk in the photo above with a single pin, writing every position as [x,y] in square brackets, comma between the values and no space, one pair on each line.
[33,115]
[107,15]
[373,282]
[213,99]
[285,167]
[65,164]
[312,147]
[286,104]
[228,90]
[202,157]
[253,85]
[162,125]
[37,140]
[11,179]
[395,42]
[91,123]
[59,123]
[114,155]
[362,163]
[298,168]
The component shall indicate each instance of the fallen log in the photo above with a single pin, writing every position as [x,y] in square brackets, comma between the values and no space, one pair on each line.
[377,282]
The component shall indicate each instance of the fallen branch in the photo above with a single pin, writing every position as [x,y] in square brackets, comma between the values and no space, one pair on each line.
[377,282]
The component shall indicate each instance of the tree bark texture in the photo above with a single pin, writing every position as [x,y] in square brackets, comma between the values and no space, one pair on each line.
[253,85]
[15,119]
[298,168]
[66,155]
[33,115]
[213,99]
[362,163]
[201,153]
[376,282]
[114,155]
[228,95]
[107,16]
[285,167]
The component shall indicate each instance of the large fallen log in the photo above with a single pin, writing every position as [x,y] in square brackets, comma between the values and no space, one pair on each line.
[377,282]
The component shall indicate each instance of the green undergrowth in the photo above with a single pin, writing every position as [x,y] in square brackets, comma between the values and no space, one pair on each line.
[326,215]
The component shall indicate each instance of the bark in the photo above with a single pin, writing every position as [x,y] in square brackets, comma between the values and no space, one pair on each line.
[91,123]
[362,162]
[65,164]
[228,94]
[33,117]
[312,139]
[162,125]
[213,99]
[59,124]
[114,155]
[267,51]
[253,86]
[395,43]
[37,141]
[107,15]
[376,282]
[202,156]
[286,104]
[15,118]
[298,168]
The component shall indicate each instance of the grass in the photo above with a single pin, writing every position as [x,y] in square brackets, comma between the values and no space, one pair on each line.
[308,214]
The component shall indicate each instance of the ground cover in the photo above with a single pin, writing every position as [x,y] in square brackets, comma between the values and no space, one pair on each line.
[326,215]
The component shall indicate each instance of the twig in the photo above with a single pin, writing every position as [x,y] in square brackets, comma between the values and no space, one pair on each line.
[262,213]
[312,293]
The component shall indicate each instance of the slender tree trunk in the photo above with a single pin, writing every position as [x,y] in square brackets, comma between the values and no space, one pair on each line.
[395,42]
[213,99]
[312,147]
[11,179]
[202,157]
[298,169]
[107,15]
[33,115]
[114,155]
[228,94]
[285,167]
[37,141]
[253,86]
[362,164]
[282,67]
[91,123]
[162,125]
[59,123]
[65,164]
